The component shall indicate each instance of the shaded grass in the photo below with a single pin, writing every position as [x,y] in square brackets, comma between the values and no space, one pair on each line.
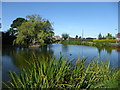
[52,73]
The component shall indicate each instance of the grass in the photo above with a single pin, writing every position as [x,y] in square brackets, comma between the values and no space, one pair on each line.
[91,42]
[105,40]
[52,73]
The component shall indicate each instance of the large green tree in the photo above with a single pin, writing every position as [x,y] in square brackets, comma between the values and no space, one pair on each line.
[35,30]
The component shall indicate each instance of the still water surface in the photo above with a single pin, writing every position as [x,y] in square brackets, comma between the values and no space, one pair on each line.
[13,59]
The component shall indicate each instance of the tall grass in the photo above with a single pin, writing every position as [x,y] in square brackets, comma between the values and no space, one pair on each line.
[60,73]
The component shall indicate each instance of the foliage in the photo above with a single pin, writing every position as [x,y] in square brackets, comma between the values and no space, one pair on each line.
[76,37]
[7,39]
[100,36]
[65,36]
[109,36]
[79,37]
[13,30]
[17,22]
[35,30]
[63,74]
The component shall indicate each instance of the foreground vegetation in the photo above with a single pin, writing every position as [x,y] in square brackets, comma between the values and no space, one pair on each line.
[52,73]
[91,42]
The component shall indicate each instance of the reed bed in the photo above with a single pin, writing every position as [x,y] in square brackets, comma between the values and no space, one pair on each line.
[52,73]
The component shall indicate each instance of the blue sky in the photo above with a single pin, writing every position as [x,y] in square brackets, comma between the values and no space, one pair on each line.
[68,17]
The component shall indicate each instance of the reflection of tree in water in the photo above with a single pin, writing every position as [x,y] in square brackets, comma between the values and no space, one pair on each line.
[7,51]
[20,57]
[108,49]
[65,48]
[99,51]
[118,49]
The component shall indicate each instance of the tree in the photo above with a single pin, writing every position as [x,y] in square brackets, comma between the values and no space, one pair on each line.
[76,37]
[109,36]
[65,36]
[17,22]
[7,39]
[79,37]
[103,37]
[100,36]
[26,34]
[12,31]
[14,26]
[35,30]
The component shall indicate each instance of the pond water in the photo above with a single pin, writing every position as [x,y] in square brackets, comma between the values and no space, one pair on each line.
[13,59]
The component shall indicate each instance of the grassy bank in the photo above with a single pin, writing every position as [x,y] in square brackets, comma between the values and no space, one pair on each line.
[52,73]
[91,42]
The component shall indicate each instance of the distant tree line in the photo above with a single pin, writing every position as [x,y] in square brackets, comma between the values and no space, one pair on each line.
[66,36]
[108,36]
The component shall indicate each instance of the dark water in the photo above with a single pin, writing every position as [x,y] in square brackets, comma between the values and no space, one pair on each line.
[13,59]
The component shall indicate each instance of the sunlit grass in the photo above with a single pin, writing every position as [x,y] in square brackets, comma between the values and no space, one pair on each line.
[52,73]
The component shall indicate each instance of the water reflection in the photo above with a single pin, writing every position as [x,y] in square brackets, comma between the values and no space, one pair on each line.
[107,49]
[19,56]
[118,49]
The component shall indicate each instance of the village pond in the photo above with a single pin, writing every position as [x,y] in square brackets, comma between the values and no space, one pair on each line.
[14,58]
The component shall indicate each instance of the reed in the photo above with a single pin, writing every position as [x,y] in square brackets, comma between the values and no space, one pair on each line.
[52,73]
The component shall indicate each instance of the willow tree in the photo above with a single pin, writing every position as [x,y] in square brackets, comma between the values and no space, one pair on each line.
[35,30]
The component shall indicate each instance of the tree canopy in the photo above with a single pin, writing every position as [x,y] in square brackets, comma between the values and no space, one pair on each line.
[76,37]
[17,22]
[109,36]
[14,26]
[100,36]
[34,30]
[65,36]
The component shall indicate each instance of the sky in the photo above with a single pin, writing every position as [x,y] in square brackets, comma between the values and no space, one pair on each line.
[73,18]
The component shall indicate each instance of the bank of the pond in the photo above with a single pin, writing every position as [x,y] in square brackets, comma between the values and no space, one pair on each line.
[52,73]
[94,43]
